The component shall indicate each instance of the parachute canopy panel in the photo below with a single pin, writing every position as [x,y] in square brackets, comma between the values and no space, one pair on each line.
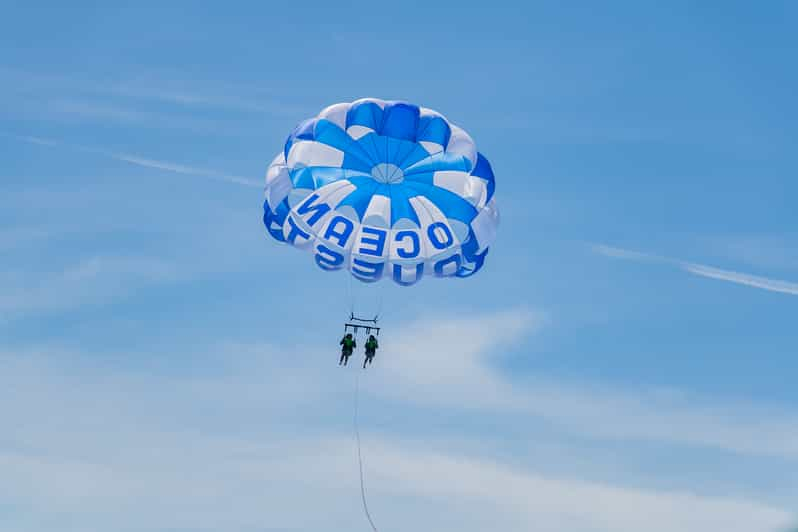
[383,189]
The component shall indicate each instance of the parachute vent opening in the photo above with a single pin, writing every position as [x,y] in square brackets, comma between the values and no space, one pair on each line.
[387,173]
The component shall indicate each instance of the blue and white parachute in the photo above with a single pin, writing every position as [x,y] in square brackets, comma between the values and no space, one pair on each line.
[383,189]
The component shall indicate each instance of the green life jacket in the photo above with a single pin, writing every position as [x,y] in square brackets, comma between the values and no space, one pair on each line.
[348,343]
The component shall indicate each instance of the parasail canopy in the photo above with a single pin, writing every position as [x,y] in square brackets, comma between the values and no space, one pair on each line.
[383,189]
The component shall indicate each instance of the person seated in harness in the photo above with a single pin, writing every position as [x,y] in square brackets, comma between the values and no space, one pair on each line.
[371,349]
[348,344]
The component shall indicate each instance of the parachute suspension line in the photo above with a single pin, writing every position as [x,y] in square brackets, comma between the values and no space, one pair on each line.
[381,294]
[359,455]
[379,307]
[351,295]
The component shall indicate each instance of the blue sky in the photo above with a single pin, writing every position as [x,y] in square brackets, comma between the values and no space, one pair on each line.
[625,361]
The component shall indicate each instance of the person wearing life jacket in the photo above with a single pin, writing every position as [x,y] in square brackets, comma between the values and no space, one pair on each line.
[371,350]
[348,344]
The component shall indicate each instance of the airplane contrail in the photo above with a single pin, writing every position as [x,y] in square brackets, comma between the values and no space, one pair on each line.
[144,161]
[711,272]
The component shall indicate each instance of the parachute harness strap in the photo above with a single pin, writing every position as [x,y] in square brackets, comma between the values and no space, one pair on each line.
[359,455]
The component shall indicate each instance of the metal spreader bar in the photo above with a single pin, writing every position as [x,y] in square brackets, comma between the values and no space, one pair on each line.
[356,324]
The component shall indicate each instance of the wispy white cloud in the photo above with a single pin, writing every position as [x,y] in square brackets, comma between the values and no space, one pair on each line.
[145,162]
[90,252]
[93,280]
[553,504]
[252,444]
[454,366]
[419,364]
[201,482]
[183,169]
[36,140]
[773,285]
[764,283]
[620,253]
[100,97]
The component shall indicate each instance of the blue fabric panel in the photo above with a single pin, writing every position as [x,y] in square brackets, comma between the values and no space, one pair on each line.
[360,198]
[400,205]
[369,145]
[366,114]
[440,162]
[484,170]
[434,129]
[400,121]
[330,134]
[275,217]
[426,178]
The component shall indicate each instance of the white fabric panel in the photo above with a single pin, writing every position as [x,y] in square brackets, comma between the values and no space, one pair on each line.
[482,187]
[359,131]
[278,160]
[453,181]
[459,229]
[405,223]
[425,211]
[299,242]
[358,245]
[349,212]
[297,196]
[278,182]
[431,147]
[424,219]
[468,187]
[408,272]
[330,194]
[273,172]
[428,213]
[333,193]
[312,153]
[393,255]
[380,103]
[485,225]
[426,111]
[378,213]
[461,143]
[325,223]
[450,268]
[279,188]
[336,114]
